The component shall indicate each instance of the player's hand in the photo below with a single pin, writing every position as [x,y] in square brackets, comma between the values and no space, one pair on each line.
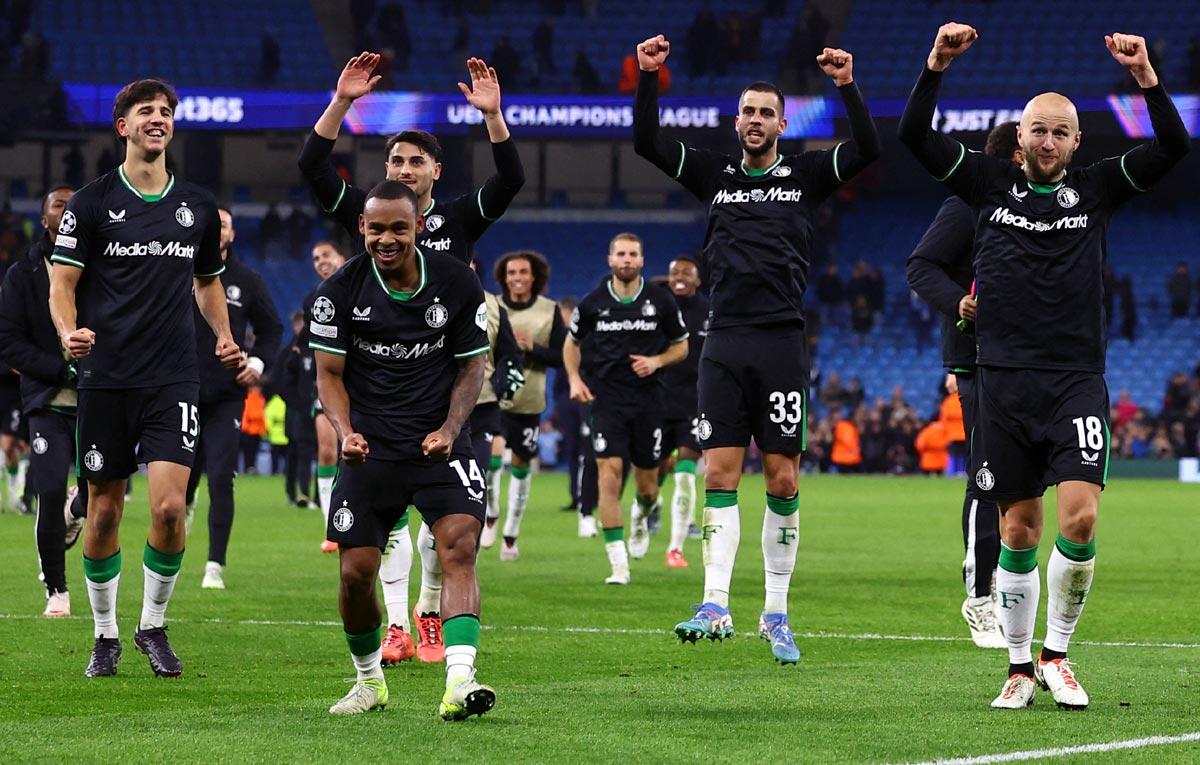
[484,93]
[652,53]
[580,393]
[951,383]
[79,343]
[355,449]
[437,445]
[952,41]
[1131,52]
[524,341]
[229,353]
[838,64]
[248,376]
[356,80]
[644,366]
[967,306]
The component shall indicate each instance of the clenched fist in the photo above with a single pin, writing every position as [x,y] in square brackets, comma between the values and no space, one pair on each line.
[952,41]
[838,64]
[652,53]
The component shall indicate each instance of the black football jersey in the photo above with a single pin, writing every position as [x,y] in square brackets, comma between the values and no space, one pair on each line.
[681,378]
[644,324]
[138,255]
[402,349]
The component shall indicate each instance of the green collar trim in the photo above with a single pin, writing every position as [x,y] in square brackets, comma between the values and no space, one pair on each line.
[627,301]
[1045,188]
[146,197]
[754,173]
[429,209]
[402,296]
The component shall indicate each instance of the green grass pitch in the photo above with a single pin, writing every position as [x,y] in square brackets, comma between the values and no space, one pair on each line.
[589,673]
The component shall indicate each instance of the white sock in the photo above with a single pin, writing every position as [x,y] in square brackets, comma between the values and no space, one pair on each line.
[324,492]
[493,492]
[393,573]
[1067,585]
[460,662]
[103,598]
[518,498]
[430,599]
[683,505]
[722,533]
[369,667]
[156,593]
[618,556]
[780,540]
[1018,603]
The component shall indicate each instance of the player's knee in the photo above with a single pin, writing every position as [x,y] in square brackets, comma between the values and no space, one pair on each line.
[720,479]
[782,484]
[1079,525]
[104,518]
[458,551]
[357,576]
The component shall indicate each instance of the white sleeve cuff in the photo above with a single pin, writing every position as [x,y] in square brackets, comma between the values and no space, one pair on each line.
[256,364]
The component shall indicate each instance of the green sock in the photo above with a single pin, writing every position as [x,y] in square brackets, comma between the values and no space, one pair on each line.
[495,463]
[614,535]
[162,563]
[783,505]
[461,636]
[326,471]
[720,498]
[101,570]
[685,466]
[519,472]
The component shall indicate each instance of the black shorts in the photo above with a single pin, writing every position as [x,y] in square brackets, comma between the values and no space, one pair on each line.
[521,433]
[485,424]
[680,434]
[1038,428]
[51,450]
[754,383]
[12,418]
[631,431]
[368,499]
[120,429]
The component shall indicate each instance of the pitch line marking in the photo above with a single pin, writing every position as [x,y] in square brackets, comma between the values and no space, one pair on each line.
[820,635]
[1066,751]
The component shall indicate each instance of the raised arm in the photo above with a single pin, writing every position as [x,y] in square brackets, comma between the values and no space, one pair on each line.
[864,146]
[938,153]
[1146,164]
[648,142]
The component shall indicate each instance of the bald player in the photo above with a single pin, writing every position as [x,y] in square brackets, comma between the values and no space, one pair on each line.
[1043,404]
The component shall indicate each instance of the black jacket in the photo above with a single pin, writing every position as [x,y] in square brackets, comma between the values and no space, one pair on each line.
[28,339]
[249,302]
[941,270]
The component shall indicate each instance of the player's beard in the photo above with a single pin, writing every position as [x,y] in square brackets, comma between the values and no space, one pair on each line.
[756,151]
[1037,172]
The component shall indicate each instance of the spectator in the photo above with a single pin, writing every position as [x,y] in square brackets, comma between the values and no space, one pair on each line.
[543,47]
[276,417]
[950,414]
[830,293]
[854,395]
[629,76]
[833,394]
[1179,291]
[862,318]
[1124,410]
[393,27]
[549,441]
[932,446]
[584,75]
[73,166]
[921,319]
[875,289]
[1175,400]
[254,427]
[270,58]
[703,42]
[462,37]
[847,449]
[106,161]
[874,444]
[35,57]
[1129,314]
[507,63]
[299,225]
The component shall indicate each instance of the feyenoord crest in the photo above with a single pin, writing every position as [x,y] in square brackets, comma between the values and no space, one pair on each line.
[984,478]
[40,445]
[648,309]
[233,292]
[323,309]
[599,442]
[1068,197]
[185,216]
[703,429]
[343,519]
[434,222]
[436,315]
[93,460]
[67,224]
[783,171]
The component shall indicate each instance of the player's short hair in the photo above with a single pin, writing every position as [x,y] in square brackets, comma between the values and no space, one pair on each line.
[340,249]
[627,236]
[392,190]
[537,263]
[226,207]
[140,91]
[762,86]
[59,187]
[1002,140]
[426,142]
[685,259]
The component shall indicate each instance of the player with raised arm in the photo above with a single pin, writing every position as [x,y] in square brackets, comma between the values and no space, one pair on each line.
[1041,332]
[29,343]
[223,396]
[398,389]
[132,247]
[636,331]
[539,331]
[679,430]
[413,157]
[753,376]
[940,270]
